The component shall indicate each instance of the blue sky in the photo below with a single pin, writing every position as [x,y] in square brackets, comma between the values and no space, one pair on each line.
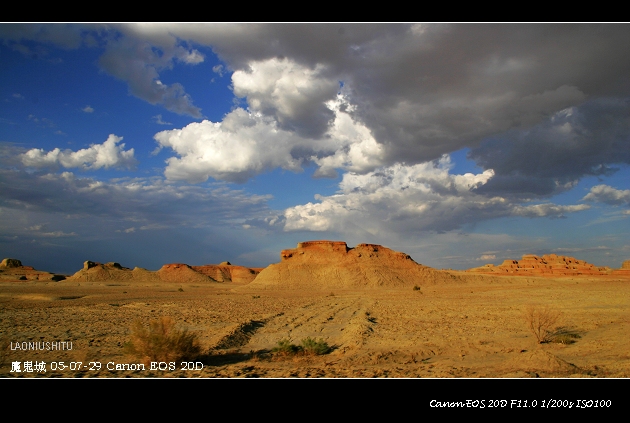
[459,144]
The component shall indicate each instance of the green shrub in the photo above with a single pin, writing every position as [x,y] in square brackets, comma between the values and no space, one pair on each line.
[162,341]
[314,347]
[308,346]
[285,347]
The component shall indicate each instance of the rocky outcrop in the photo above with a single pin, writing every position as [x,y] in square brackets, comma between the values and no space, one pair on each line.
[549,264]
[173,272]
[9,263]
[94,271]
[12,269]
[625,269]
[332,264]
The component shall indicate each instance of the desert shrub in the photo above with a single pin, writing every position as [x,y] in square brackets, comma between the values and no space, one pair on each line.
[285,347]
[308,346]
[312,346]
[542,321]
[162,341]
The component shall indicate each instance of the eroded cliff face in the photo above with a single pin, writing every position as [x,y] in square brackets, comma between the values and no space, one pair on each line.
[549,264]
[330,264]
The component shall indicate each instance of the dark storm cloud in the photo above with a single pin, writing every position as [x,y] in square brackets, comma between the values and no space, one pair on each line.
[429,89]
[590,139]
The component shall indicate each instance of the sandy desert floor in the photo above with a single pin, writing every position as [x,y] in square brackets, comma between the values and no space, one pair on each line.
[474,329]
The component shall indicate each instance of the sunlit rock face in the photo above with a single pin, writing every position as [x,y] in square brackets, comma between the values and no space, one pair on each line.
[548,264]
[332,264]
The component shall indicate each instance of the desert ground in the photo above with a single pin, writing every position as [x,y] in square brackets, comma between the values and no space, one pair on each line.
[474,326]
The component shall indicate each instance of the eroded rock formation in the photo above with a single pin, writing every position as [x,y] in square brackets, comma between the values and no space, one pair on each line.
[173,272]
[12,269]
[331,264]
[625,269]
[548,264]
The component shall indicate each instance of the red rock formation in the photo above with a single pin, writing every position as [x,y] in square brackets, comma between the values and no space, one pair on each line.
[549,264]
[332,264]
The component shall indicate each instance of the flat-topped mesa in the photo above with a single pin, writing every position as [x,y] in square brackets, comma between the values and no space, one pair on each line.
[332,264]
[548,264]
[315,246]
[329,249]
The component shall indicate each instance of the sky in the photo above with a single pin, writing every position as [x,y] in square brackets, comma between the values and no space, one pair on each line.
[459,144]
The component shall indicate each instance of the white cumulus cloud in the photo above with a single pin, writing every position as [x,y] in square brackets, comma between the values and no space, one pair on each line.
[609,195]
[410,198]
[235,149]
[108,154]
[293,94]
[245,144]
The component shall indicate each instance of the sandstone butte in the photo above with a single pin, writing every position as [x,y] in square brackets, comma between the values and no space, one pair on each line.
[332,264]
[550,264]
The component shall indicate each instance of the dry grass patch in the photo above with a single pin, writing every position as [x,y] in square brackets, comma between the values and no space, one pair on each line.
[162,341]
[312,346]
